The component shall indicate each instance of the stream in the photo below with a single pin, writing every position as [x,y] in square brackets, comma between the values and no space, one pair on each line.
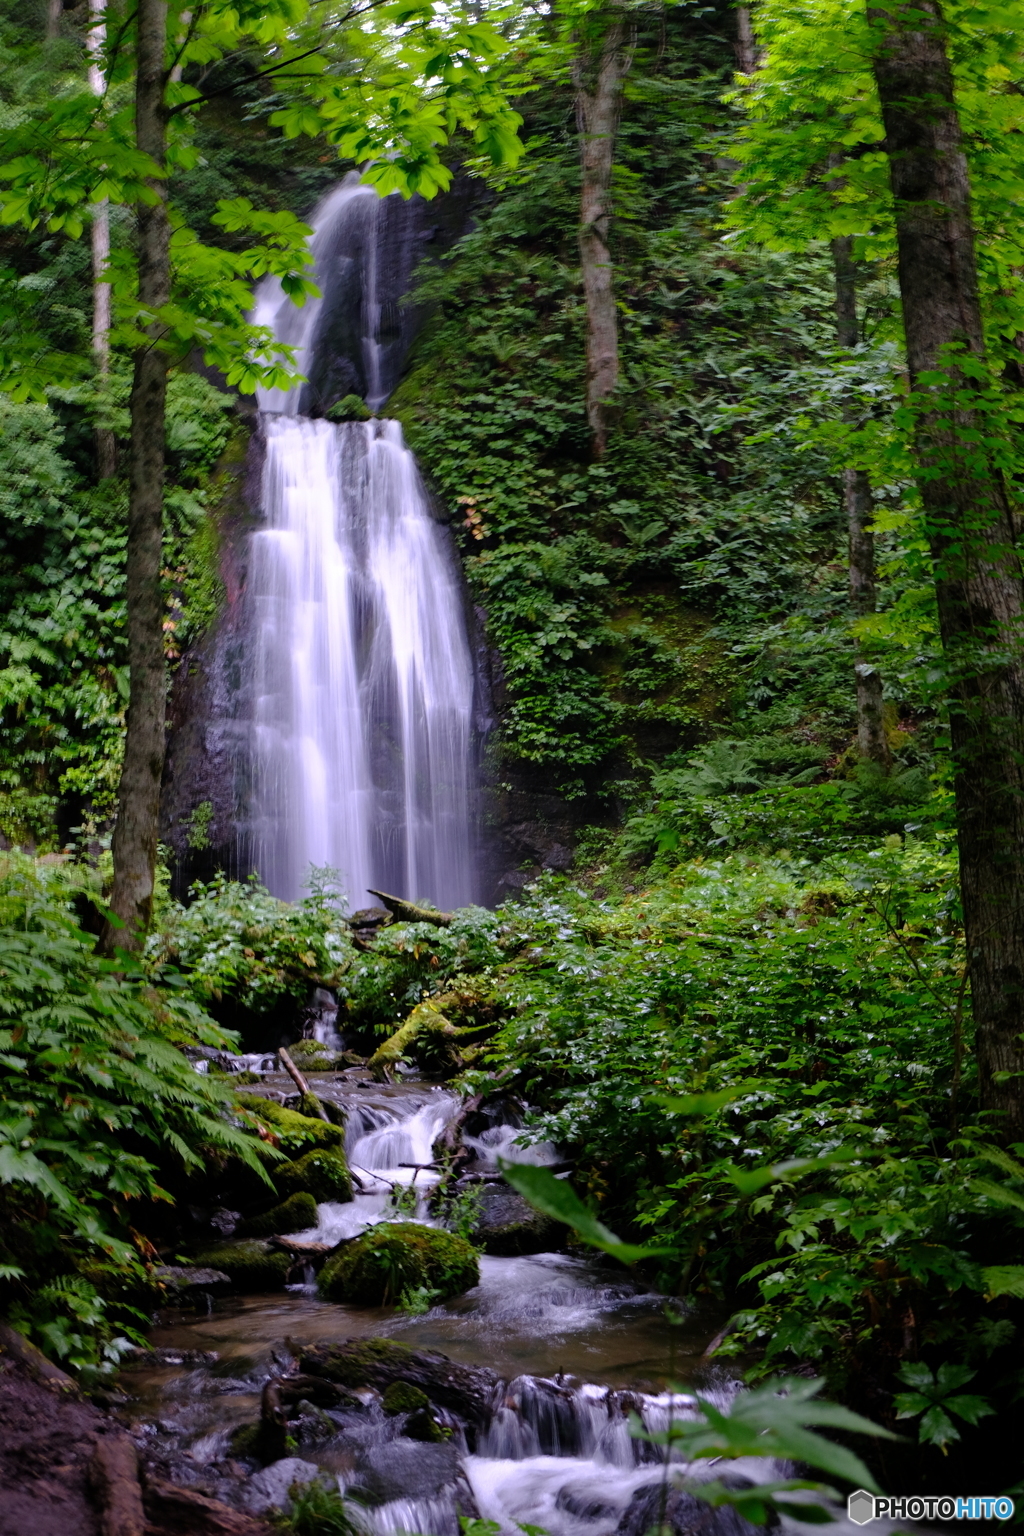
[567,1350]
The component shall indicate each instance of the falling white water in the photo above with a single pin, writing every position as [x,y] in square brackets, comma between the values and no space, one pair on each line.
[363,678]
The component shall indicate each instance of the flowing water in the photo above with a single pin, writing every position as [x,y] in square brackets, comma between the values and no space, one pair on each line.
[361,671]
[583,1356]
[575,1347]
[362,702]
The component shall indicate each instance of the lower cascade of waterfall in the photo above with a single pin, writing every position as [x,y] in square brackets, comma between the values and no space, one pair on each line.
[571,1365]
[362,674]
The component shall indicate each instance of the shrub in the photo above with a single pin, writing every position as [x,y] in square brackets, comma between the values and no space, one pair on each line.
[97,1099]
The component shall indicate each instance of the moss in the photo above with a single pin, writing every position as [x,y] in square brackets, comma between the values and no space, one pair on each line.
[403,1397]
[324,1175]
[358,1362]
[399,1256]
[427,1035]
[244,1442]
[295,1133]
[250,1265]
[296,1214]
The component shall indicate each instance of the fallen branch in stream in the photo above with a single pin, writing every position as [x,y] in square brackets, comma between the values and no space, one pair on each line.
[302,1085]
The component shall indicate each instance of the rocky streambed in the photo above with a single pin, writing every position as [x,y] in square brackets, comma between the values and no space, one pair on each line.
[517,1400]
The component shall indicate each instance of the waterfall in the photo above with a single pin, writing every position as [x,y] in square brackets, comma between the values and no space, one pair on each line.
[362,678]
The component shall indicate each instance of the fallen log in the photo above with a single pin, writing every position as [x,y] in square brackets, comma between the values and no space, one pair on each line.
[409,912]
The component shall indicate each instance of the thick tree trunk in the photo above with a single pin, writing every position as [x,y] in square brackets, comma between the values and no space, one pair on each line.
[598,113]
[138,805]
[977,570]
[106,450]
[871,743]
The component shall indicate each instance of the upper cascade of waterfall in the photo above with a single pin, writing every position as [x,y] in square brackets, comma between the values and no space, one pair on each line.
[353,338]
[357,655]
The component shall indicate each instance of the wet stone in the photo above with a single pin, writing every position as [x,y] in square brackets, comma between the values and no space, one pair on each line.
[268,1489]
[407,1469]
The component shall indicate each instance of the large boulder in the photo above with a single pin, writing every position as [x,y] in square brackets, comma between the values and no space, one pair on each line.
[321,1174]
[465,1390]
[249,1265]
[397,1257]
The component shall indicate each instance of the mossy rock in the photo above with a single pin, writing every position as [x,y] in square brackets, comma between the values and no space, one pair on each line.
[399,1256]
[249,1265]
[296,1214]
[403,1397]
[295,1133]
[323,1175]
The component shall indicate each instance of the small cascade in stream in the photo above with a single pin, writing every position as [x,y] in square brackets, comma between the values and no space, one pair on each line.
[360,668]
[542,1381]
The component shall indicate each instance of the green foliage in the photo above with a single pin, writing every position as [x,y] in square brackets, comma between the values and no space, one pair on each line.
[238,943]
[317,1511]
[933,1397]
[459,1211]
[554,1198]
[396,1259]
[97,1100]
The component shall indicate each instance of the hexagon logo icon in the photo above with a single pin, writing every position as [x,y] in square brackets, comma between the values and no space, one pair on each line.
[860,1507]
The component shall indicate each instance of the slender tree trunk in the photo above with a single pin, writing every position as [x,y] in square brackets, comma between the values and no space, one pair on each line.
[106,450]
[746,49]
[970,529]
[138,805]
[54,11]
[598,113]
[871,743]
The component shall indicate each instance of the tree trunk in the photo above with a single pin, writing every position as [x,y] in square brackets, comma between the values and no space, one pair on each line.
[871,743]
[597,114]
[54,12]
[138,804]
[746,49]
[106,450]
[970,530]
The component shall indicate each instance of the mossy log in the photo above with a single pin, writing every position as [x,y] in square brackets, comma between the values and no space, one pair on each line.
[431,1034]
[409,912]
[394,1257]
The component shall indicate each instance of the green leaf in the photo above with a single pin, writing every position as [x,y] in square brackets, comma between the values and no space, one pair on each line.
[701,1103]
[555,1198]
[1004,1280]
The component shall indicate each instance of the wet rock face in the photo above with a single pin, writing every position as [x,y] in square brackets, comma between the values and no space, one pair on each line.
[465,1390]
[660,1507]
[407,1469]
[510,1226]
